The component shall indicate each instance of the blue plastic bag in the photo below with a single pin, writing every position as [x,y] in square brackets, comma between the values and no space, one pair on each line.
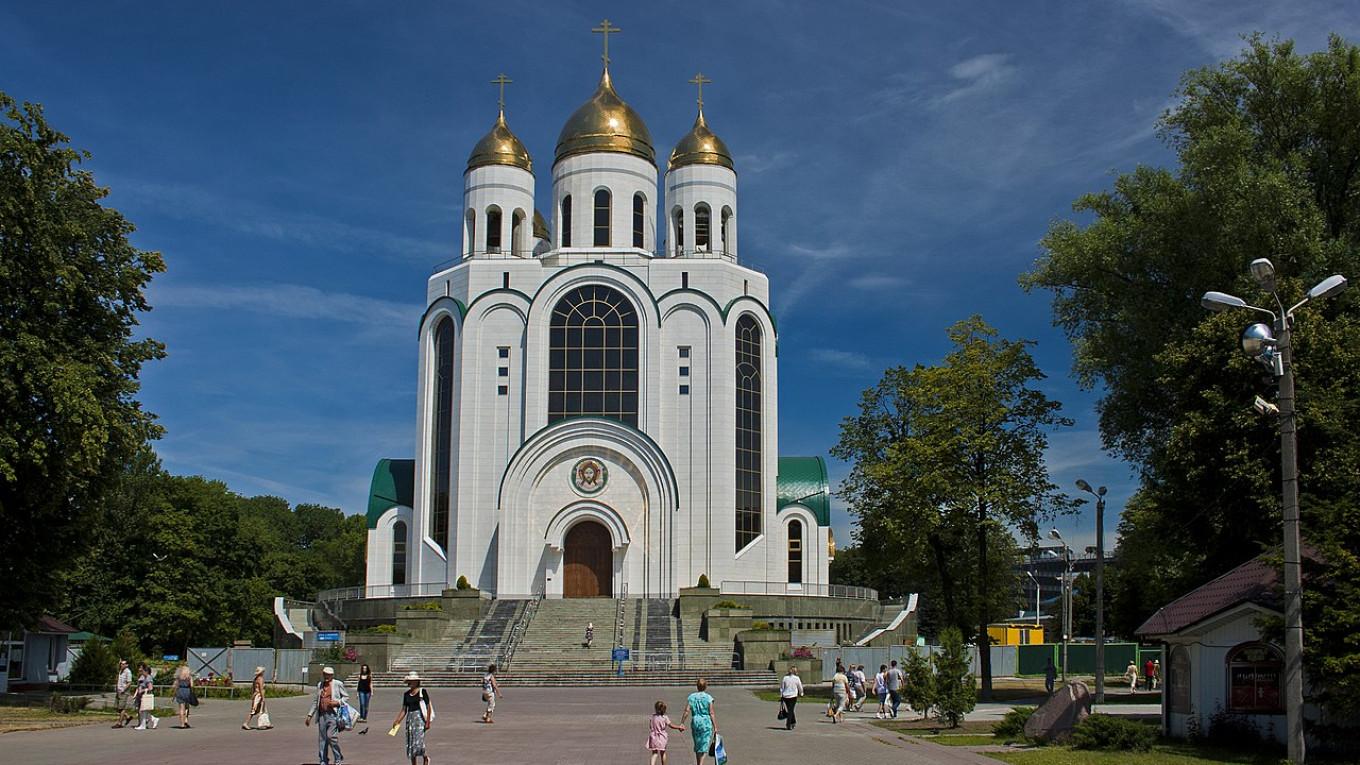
[719,750]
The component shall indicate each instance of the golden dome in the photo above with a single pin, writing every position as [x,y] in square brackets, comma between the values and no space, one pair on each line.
[701,147]
[500,147]
[605,123]
[540,226]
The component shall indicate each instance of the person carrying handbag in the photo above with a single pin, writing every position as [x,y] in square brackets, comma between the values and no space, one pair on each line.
[257,709]
[326,708]
[790,688]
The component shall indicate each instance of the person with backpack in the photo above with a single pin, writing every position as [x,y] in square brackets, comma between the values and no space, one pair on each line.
[327,708]
[418,713]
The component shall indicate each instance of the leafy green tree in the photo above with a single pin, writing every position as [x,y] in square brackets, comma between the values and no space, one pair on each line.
[955,687]
[71,290]
[947,460]
[918,690]
[96,665]
[1268,149]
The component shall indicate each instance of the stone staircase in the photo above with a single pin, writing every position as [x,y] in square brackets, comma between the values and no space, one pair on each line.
[549,650]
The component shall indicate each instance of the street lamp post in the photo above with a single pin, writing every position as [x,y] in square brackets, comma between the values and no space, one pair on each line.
[1037,590]
[1274,349]
[1066,598]
[1099,494]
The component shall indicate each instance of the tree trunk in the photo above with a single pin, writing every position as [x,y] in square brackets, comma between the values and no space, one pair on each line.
[984,587]
[946,580]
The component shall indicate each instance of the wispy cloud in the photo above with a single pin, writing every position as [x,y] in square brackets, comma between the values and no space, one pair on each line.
[1217,26]
[290,301]
[977,75]
[756,163]
[192,203]
[841,359]
[878,282]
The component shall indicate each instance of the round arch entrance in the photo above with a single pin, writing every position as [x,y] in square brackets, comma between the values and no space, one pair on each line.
[587,562]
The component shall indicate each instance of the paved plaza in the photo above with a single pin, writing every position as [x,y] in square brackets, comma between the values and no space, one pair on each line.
[599,726]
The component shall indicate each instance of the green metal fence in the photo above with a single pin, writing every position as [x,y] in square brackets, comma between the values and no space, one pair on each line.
[1082,656]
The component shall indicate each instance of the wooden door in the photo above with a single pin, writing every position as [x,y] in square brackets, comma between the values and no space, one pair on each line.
[588,562]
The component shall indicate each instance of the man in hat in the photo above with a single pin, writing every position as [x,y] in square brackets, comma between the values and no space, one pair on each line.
[120,693]
[330,697]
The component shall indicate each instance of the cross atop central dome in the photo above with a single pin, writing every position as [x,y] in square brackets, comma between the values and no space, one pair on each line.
[605,123]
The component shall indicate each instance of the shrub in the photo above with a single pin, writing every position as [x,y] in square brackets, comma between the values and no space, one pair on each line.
[919,688]
[1012,726]
[1233,729]
[728,604]
[760,625]
[1110,733]
[429,605]
[801,652]
[96,665]
[330,654]
[463,583]
[703,581]
[67,705]
[955,693]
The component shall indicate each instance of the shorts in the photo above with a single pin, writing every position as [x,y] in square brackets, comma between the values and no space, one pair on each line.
[490,699]
[883,697]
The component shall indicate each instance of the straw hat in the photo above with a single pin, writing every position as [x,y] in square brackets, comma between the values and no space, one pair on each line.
[259,670]
[327,671]
[410,676]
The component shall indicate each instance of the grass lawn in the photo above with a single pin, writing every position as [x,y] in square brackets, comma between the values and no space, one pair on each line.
[962,739]
[25,718]
[1162,754]
[914,727]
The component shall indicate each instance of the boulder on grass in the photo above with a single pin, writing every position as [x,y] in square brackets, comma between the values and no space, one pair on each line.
[1053,721]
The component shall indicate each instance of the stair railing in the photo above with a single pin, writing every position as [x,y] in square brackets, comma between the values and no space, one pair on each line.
[517,631]
[618,618]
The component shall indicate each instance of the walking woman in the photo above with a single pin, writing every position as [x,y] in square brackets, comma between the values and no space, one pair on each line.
[490,690]
[184,693]
[418,714]
[365,691]
[703,725]
[257,702]
[146,698]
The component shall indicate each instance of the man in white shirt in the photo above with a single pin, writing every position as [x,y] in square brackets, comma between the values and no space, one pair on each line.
[120,692]
[790,688]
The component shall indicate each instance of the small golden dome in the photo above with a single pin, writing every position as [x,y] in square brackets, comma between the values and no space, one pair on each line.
[500,147]
[540,226]
[701,147]
[605,123]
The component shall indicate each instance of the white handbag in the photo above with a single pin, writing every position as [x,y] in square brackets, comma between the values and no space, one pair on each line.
[148,703]
[264,721]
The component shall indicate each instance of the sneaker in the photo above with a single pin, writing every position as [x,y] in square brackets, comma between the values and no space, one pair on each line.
[155,723]
[140,727]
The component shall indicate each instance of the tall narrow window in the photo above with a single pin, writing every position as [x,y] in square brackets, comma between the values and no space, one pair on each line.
[602,218]
[399,552]
[726,230]
[701,227]
[639,218]
[593,356]
[566,221]
[679,232]
[471,232]
[493,229]
[441,451]
[795,552]
[750,469]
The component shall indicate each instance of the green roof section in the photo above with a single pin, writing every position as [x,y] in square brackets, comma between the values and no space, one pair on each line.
[802,481]
[394,483]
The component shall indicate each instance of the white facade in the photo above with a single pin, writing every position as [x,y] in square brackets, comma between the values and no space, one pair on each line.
[533,408]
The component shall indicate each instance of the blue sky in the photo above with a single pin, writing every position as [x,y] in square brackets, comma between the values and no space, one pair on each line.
[300,167]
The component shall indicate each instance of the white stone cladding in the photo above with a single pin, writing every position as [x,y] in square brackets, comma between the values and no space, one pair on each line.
[689,186]
[623,175]
[507,189]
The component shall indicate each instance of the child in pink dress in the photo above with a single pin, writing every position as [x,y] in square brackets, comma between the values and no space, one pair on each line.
[661,726]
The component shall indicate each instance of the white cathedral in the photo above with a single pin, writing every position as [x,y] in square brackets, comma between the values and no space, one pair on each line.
[597,401]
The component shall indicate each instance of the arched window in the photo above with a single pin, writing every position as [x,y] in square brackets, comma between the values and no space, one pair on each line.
[493,229]
[1178,680]
[441,450]
[750,465]
[399,552]
[795,552]
[566,221]
[726,230]
[639,219]
[1254,672]
[701,227]
[602,218]
[517,233]
[679,232]
[593,356]
[470,236]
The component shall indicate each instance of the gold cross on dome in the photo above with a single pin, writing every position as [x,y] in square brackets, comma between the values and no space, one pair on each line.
[700,80]
[502,81]
[606,29]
